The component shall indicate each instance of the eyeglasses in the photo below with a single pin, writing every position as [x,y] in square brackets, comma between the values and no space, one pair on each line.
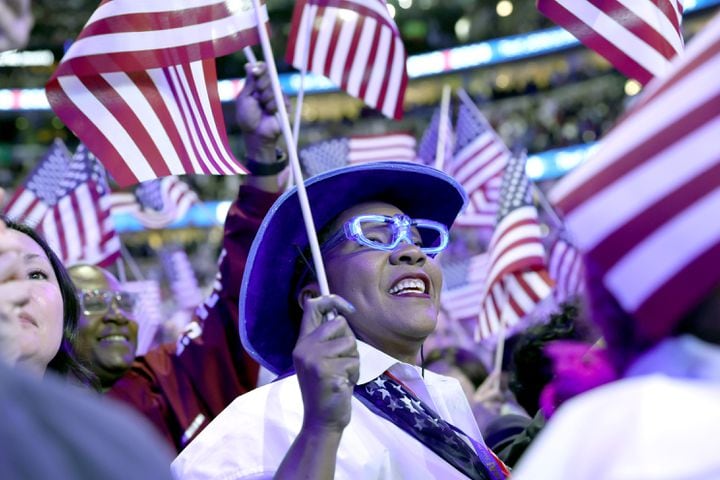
[382,232]
[98,302]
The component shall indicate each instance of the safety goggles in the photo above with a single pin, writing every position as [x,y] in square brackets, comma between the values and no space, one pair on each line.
[382,232]
[98,302]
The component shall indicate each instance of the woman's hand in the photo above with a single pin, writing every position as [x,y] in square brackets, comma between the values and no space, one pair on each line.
[327,364]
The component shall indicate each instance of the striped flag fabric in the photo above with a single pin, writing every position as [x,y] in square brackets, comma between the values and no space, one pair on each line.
[427,148]
[78,227]
[517,278]
[139,88]
[181,277]
[149,313]
[339,152]
[565,267]
[34,197]
[156,203]
[644,208]
[464,282]
[356,44]
[639,37]
[479,159]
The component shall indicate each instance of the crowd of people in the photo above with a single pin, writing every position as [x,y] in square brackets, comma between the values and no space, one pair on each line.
[275,378]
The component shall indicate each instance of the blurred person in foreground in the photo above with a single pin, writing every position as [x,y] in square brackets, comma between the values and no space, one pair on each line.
[107,330]
[351,401]
[653,285]
[181,387]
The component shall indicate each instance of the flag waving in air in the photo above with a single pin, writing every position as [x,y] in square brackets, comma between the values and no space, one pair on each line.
[339,152]
[644,209]
[517,277]
[639,37]
[138,86]
[39,192]
[78,226]
[478,163]
[156,203]
[354,43]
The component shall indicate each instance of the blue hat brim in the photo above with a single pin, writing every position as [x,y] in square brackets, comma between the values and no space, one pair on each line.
[266,331]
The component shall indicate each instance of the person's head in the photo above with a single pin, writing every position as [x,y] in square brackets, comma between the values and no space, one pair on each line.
[107,333]
[359,211]
[50,318]
[530,367]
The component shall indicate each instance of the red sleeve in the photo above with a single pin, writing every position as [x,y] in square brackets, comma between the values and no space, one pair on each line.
[181,389]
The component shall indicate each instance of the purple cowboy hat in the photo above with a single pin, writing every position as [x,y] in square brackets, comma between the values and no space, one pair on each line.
[266,329]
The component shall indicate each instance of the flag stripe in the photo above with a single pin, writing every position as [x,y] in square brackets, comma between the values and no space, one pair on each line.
[637,37]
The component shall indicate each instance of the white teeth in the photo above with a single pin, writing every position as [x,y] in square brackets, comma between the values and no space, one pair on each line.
[408,285]
[115,338]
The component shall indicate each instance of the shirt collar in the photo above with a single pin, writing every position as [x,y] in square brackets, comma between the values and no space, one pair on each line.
[374,362]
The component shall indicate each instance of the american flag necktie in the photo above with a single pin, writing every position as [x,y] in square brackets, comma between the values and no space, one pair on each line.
[389,398]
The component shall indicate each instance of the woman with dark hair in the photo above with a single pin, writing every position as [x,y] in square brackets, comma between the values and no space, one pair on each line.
[39,316]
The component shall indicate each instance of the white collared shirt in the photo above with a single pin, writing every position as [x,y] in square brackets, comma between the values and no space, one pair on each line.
[249,439]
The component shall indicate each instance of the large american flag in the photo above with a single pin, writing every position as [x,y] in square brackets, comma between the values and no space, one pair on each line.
[565,267]
[644,209]
[517,278]
[78,226]
[478,163]
[39,192]
[639,37]
[339,152]
[356,44]
[427,148]
[139,87]
[156,203]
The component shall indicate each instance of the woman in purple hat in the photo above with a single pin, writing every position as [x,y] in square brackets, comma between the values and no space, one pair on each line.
[350,401]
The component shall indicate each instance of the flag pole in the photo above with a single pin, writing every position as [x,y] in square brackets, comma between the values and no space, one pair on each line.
[443,128]
[125,253]
[292,153]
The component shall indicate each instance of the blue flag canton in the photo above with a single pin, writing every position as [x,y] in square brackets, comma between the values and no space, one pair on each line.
[46,180]
[149,194]
[84,167]
[324,156]
[468,127]
[515,189]
[455,274]
[427,150]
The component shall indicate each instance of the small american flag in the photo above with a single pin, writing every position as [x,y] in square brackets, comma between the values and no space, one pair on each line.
[139,87]
[156,203]
[339,152]
[565,267]
[644,209]
[181,277]
[479,159]
[78,226]
[33,199]
[354,43]
[517,279]
[464,282]
[639,37]
[149,313]
[427,149]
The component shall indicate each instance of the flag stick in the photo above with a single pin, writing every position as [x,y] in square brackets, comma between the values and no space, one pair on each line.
[443,127]
[292,153]
[122,276]
[131,262]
